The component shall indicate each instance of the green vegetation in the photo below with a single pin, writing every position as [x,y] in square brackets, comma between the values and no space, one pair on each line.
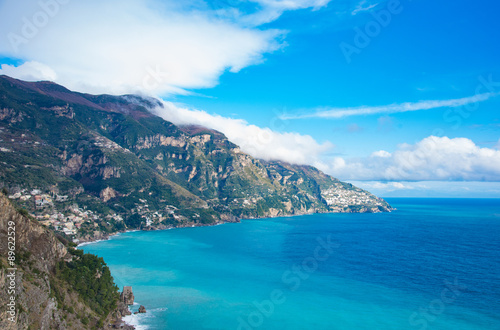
[91,278]
[111,156]
[134,221]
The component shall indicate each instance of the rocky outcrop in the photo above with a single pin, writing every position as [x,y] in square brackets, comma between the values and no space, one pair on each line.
[159,140]
[107,194]
[141,310]
[110,172]
[127,296]
[201,139]
[73,165]
[115,321]
[65,111]
[11,115]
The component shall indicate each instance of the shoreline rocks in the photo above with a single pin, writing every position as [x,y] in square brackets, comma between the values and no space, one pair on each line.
[127,296]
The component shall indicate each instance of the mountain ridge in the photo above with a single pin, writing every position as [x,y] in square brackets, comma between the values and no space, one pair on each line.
[111,155]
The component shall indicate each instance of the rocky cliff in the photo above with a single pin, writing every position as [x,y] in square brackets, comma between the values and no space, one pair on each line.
[33,295]
[119,167]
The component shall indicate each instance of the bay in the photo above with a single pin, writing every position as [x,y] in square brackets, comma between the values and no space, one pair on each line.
[431,264]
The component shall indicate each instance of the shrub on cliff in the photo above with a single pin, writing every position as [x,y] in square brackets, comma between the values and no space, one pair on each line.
[91,278]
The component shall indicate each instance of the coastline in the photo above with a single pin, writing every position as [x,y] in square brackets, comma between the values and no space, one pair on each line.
[131,320]
[83,242]
[412,212]
[105,238]
[137,321]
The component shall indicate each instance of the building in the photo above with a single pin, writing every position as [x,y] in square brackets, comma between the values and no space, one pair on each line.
[42,200]
[127,296]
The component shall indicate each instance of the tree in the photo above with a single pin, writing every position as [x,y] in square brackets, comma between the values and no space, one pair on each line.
[133,221]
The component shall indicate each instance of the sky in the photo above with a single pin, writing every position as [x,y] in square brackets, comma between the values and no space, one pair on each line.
[399,97]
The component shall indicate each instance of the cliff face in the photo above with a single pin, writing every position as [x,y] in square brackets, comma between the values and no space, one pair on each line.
[41,250]
[113,156]
[42,300]
[45,249]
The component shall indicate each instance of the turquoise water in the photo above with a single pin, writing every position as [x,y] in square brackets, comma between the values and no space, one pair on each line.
[432,264]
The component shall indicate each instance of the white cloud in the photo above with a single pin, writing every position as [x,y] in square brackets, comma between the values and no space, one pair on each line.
[262,143]
[381,153]
[363,6]
[129,46]
[272,9]
[433,158]
[432,189]
[387,186]
[293,4]
[336,113]
[31,71]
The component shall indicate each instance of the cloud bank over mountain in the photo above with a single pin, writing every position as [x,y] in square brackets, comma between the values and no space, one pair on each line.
[431,159]
[164,48]
[263,143]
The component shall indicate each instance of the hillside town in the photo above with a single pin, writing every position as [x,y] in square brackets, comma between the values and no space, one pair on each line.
[339,198]
[64,215]
[51,210]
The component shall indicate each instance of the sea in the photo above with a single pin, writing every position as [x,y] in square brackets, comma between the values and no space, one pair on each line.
[430,264]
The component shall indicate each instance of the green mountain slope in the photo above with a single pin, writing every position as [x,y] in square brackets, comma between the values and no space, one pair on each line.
[121,167]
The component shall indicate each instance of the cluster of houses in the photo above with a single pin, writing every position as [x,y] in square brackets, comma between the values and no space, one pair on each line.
[41,200]
[155,217]
[105,143]
[69,224]
[72,219]
[339,197]
[68,221]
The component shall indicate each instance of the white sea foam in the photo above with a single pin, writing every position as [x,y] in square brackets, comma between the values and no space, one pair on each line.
[88,243]
[159,309]
[110,237]
[134,320]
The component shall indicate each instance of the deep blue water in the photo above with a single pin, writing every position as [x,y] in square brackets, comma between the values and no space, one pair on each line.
[432,264]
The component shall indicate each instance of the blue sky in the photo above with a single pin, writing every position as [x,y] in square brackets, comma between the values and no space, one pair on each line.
[400,97]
